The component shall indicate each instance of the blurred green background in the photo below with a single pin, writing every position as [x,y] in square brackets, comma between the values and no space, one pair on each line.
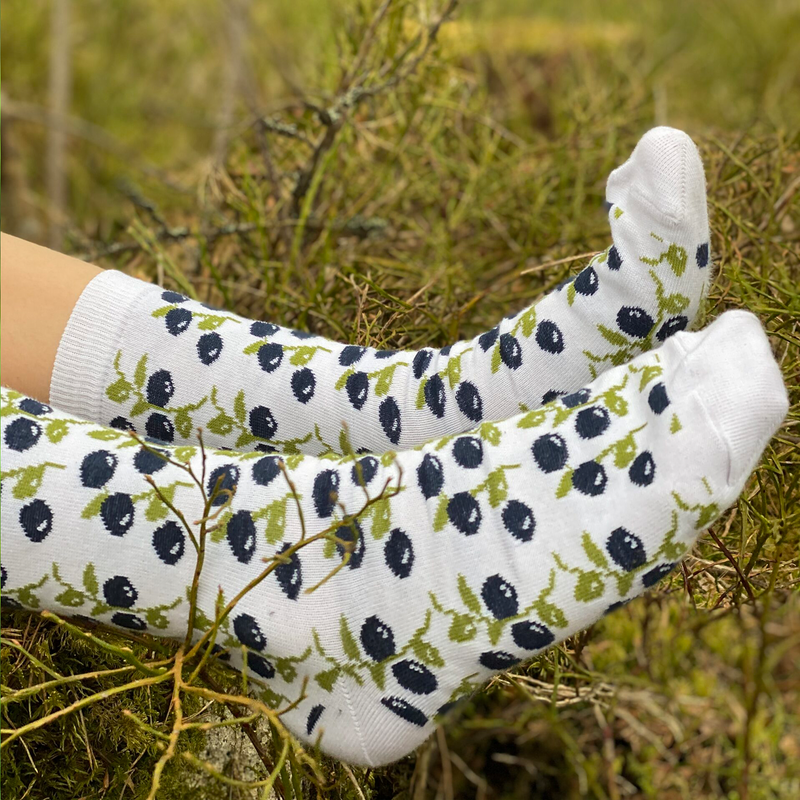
[133,134]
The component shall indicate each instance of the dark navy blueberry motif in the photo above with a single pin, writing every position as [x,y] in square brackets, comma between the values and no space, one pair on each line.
[350,354]
[313,718]
[643,469]
[290,574]
[385,353]
[36,520]
[241,533]
[486,340]
[550,395]
[634,321]
[348,532]
[122,424]
[357,387]
[262,423]
[262,329]
[576,398]
[230,477]
[530,635]
[98,468]
[519,520]
[34,407]
[592,422]
[377,639]
[120,592]
[248,632]
[178,320]
[656,574]
[399,553]
[173,297]
[117,513]
[702,255]
[160,427]
[464,512]
[421,362]
[626,549]
[389,416]
[549,337]
[435,396]
[266,469]
[658,399]
[303,334]
[469,401]
[590,478]
[303,384]
[160,388]
[550,452]
[270,356]
[169,542]
[671,327]
[586,283]
[468,452]
[326,492]
[497,659]
[147,462]
[405,710]
[129,621]
[510,351]
[209,347]
[22,434]
[500,597]
[414,676]
[260,666]
[614,258]
[430,476]
[364,470]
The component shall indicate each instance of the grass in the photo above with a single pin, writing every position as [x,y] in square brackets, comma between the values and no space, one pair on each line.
[417,225]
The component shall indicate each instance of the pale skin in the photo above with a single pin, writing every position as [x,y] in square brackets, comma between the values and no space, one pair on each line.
[39,289]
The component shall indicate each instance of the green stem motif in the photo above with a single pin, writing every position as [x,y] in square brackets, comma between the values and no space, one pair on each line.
[208,322]
[27,480]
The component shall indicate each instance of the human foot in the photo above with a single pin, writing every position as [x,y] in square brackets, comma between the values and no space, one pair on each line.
[499,543]
[134,355]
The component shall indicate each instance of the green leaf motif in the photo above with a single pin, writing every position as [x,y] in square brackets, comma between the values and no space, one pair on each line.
[253,347]
[533,419]
[327,678]
[617,339]
[71,598]
[139,407]
[468,597]
[163,311]
[210,323]
[348,640]
[140,373]
[462,628]
[490,433]
[239,409]
[495,630]
[378,673]
[528,321]
[244,439]
[183,424]
[427,653]
[302,356]
[589,586]
[495,360]
[593,552]
[571,293]
[497,487]
[222,424]
[155,618]
[381,518]
[675,303]
[276,520]
[565,484]
[119,391]
[615,403]
[184,453]
[420,401]
[453,371]
[342,380]
[550,614]
[624,451]
[286,669]
[92,508]
[28,482]
[90,580]
[624,582]
[441,517]
[56,430]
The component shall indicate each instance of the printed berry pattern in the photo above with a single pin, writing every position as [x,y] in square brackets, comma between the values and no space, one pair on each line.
[255,385]
[438,566]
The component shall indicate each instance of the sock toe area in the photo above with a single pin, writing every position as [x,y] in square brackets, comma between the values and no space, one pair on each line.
[664,179]
[731,369]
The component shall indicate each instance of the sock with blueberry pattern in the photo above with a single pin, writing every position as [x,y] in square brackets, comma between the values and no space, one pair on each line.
[486,548]
[134,355]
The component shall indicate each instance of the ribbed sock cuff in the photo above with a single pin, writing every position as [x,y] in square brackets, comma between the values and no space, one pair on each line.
[91,340]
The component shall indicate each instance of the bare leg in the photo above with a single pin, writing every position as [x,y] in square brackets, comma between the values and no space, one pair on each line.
[39,290]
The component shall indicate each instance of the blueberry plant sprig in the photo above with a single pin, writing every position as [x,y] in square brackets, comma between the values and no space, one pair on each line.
[178,319]
[502,604]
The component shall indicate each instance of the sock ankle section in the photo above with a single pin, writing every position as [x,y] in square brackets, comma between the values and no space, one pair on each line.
[164,364]
[486,548]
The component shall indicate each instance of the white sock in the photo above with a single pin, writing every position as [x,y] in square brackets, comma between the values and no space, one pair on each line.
[134,355]
[500,542]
